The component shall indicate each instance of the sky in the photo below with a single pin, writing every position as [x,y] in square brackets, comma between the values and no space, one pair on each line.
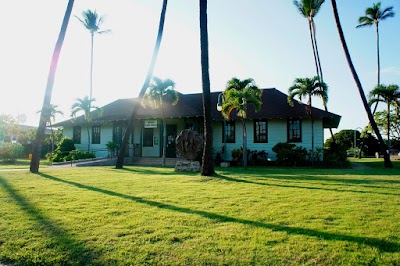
[261,39]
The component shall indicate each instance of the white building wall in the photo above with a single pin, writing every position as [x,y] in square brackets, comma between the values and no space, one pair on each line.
[277,132]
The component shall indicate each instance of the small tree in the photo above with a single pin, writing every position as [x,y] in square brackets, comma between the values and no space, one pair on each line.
[158,94]
[308,87]
[85,105]
[239,95]
[389,95]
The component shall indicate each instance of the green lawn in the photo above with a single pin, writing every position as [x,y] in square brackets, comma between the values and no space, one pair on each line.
[21,164]
[374,163]
[148,215]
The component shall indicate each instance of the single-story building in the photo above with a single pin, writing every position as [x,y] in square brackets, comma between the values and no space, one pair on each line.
[277,121]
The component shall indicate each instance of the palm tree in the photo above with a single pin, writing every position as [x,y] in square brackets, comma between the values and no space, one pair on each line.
[374,15]
[207,168]
[308,87]
[120,160]
[92,22]
[86,106]
[159,92]
[53,112]
[367,108]
[45,113]
[309,9]
[389,95]
[238,95]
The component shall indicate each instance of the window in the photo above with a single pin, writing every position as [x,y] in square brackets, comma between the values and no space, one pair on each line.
[76,135]
[261,131]
[148,137]
[294,130]
[230,131]
[119,131]
[96,134]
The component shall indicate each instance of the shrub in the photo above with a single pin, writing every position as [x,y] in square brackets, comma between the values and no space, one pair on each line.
[335,156]
[259,158]
[61,153]
[112,148]
[66,145]
[10,152]
[290,154]
[237,156]
[80,155]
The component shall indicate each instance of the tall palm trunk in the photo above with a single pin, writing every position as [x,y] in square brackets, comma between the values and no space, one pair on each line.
[312,128]
[88,135]
[207,168]
[164,135]
[313,47]
[319,68]
[244,144]
[388,124]
[52,137]
[45,113]
[91,66]
[128,132]
[386,156]
[378,59]
[321,75]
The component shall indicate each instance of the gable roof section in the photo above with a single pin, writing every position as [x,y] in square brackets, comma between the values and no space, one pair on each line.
[191,105]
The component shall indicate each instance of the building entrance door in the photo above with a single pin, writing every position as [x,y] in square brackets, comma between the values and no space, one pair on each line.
[171,145]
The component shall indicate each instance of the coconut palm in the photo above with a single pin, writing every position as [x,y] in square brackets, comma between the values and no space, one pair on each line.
[308,87]
[120,160]
[92,22]
[309,9]
[159,93]
[207,168]
[53,112]
[353,71]
[239,95]
[86,106]
[388,94]
[45,113]
[374,15]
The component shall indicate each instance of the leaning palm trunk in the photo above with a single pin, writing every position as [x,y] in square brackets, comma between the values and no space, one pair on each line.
[45,113]
[386,156]
[128,132]
[207,168]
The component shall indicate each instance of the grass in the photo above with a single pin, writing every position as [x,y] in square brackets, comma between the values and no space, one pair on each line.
[375,163]
[21,164]
[148,215]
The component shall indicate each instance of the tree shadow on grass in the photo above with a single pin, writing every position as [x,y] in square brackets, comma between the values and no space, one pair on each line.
[151,171]
[231,179]
[382,245]
[71,250]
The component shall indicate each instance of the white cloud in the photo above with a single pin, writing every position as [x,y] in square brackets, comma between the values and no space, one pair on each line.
[391,70]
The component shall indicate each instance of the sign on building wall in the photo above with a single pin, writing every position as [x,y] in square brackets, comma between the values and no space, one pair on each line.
[150,123]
